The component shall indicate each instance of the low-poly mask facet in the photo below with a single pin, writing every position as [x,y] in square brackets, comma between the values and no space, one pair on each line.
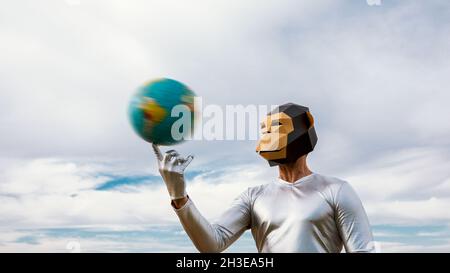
[287,134]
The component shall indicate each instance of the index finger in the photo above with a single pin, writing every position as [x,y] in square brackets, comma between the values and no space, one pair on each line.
[157,151]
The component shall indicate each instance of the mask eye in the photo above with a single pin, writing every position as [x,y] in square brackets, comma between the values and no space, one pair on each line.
[263,128]
[276,123]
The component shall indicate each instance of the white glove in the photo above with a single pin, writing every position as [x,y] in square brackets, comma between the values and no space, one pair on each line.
[171,167]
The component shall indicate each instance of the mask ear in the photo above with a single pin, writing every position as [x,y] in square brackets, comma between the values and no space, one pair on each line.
[310,119]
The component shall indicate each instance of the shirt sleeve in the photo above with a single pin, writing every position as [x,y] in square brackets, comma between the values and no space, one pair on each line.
[352,221]
[218,236]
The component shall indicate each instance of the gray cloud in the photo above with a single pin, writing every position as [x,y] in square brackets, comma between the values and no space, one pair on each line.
[374,77]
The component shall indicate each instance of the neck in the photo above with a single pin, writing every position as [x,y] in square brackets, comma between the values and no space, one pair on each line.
[292,172]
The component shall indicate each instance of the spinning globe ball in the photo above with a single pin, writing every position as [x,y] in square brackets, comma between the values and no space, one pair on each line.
[150,111]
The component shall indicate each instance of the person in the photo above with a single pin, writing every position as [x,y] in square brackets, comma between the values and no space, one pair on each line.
[301,211]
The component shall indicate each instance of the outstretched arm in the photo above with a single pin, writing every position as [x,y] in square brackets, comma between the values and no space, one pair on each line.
[220,235]
[206,237]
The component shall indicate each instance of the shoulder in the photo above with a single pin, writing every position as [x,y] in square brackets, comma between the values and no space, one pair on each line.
[329,182]
[331,187]
[341,194]
[252,193]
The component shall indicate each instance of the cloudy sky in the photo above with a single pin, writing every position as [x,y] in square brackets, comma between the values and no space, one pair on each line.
[73,175]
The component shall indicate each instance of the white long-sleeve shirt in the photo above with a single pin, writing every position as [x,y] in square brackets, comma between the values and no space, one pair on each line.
[314,214]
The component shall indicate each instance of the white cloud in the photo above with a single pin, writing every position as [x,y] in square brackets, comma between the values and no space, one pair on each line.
[41,242]
[51,192]
[405,187]
[56,193]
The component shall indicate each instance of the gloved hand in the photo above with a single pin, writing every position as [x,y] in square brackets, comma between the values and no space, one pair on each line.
[171,167]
